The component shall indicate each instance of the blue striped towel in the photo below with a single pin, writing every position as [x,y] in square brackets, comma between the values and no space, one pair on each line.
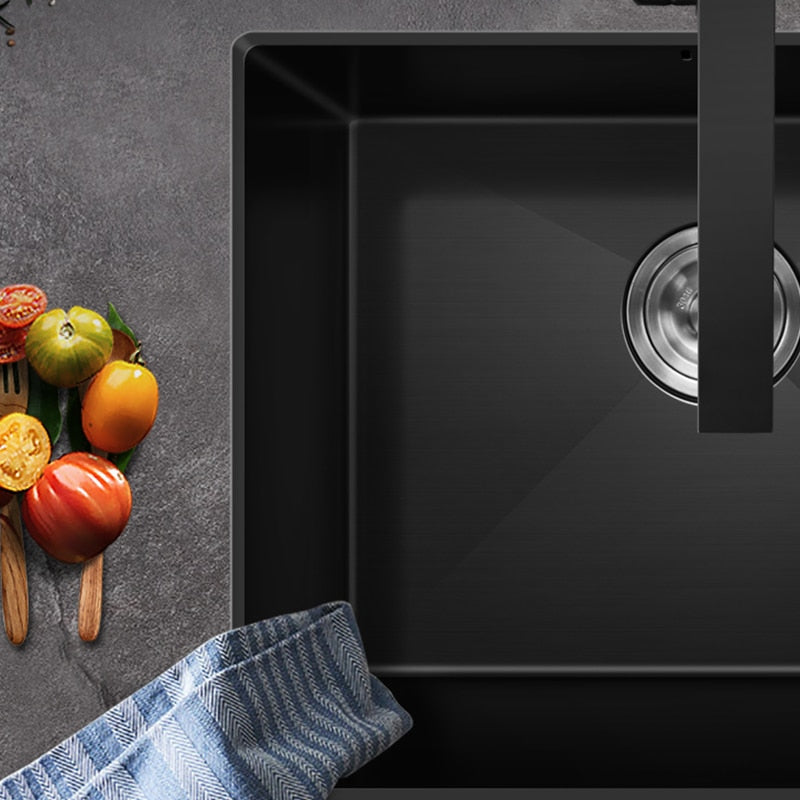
[278,709]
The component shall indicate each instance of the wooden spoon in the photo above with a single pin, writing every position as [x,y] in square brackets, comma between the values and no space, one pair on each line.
[90,599]
[13,570]
[90,602]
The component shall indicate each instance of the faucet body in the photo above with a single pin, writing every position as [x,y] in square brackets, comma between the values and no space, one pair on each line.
[735,212]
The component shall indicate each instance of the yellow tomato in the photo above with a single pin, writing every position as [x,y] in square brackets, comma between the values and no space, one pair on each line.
[119,406]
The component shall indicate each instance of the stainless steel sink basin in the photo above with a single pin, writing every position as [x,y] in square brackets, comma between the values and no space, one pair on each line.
[437,416]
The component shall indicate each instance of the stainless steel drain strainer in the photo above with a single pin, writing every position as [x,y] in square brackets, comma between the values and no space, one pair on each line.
[661,308]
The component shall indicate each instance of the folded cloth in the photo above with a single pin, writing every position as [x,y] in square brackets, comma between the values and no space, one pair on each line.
[278,709]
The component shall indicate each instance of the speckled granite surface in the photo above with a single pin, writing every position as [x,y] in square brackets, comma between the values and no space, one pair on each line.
[114,184]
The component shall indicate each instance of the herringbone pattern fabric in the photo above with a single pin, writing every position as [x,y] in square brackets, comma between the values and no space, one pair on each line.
[280,709]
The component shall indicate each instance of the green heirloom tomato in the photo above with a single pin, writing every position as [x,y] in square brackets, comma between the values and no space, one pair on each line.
[67,348]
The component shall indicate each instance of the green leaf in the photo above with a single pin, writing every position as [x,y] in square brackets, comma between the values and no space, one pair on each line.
[116,323]
[77,438]
[43,404]
[123,459]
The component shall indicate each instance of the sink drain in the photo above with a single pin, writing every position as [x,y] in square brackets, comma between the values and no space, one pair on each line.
[661,310]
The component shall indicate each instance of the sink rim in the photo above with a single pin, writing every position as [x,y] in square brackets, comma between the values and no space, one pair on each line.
[246,41]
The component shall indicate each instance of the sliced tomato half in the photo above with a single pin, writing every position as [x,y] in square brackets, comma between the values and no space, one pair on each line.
[12,344]
[20,304]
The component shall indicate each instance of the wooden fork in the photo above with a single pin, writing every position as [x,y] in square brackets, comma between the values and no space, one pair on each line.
[13,571]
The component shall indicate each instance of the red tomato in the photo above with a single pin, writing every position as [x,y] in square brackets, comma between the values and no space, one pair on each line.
[78,507]
[21,304]
[12,344]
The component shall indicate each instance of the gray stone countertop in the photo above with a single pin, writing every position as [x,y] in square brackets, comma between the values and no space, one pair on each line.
[114,185]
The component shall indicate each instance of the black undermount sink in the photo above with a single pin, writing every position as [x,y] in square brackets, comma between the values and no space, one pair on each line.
[438,417]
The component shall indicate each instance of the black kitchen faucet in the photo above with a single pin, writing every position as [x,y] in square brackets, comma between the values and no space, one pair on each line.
[736,122]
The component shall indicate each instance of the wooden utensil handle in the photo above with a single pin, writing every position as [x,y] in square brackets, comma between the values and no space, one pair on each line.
[90,599]
[90,603]
[14,574]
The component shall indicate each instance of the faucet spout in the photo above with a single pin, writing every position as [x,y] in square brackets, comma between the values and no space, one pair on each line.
[735,212]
